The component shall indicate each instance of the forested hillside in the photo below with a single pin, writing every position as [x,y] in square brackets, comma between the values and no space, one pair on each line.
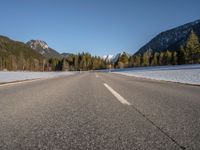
[18,56]
[187,52]
[180,45]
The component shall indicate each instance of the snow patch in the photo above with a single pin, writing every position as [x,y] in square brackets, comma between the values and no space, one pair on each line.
[189,74]
[7,76]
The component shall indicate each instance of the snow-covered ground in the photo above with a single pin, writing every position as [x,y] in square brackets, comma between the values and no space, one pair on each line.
[189,74]
[9,76]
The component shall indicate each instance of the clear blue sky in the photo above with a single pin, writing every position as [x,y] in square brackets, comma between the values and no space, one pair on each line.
[97,26]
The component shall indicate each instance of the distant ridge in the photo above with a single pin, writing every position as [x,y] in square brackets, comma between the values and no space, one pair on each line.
[65,54]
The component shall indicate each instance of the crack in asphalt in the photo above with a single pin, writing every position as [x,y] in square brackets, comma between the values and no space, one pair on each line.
[154,124]
[160,129]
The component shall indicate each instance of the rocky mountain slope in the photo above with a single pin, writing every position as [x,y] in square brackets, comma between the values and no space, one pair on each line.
[42,47]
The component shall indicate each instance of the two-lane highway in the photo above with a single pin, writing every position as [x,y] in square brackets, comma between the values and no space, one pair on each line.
[99,111]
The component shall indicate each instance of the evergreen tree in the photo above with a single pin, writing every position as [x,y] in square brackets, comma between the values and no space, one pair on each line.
[191,46]
[76,65]
[146,59]
[138,60]
[167,57]
[160,62]
[83,63]
[154,61]
[123,61]
[174,58]
[197,55]
[131,61]
[181,56]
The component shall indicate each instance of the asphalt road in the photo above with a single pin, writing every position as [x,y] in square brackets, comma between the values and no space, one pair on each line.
[99,111]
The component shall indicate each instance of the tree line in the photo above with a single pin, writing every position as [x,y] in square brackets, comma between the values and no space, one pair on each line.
[187,53]
[17,56]
[80,62]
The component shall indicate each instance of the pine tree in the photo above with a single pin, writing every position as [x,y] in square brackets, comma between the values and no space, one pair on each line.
[174,58]
[123,60]
[181,56]
[146,59]
[160,62]
[197,55]
[191,46]
[154,62]
[167,57]
[76,66]
[131,61]
[138,60]
[83,63]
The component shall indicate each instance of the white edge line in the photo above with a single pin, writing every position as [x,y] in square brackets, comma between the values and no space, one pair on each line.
[117,95]
[30,80]
[19,82]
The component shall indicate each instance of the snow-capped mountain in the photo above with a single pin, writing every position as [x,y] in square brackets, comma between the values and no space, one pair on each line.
[43,48]
[114,58]
[171,39]
[108,58]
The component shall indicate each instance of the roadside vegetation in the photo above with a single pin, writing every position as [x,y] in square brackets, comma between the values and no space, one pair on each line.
[18,56]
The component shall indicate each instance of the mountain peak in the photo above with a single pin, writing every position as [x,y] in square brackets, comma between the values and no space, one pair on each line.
[38,43]
[43,48]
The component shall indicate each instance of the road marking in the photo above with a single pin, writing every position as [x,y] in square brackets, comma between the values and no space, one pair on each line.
[19,82]
[117,95]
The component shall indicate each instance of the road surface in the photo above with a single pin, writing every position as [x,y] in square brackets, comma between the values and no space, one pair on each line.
[99,111]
